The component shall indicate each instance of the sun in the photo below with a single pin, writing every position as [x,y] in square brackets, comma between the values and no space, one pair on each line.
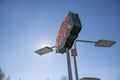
[44,44]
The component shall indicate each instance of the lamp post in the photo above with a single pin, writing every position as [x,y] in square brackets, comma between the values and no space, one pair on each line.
[100,43]
[47,49]
[69,64]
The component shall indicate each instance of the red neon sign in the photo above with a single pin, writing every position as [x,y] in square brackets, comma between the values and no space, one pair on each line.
[69,30]
[63,31]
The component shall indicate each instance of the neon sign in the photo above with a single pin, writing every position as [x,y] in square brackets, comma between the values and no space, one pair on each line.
[63,31]
[69,30]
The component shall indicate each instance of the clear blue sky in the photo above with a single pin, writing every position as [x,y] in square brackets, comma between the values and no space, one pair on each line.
[27,25]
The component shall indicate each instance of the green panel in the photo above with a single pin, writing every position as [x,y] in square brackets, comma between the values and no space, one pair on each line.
[70,40]
[68,44]
[76,24]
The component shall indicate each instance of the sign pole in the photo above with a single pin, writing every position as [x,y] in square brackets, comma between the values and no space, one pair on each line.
[75,65]
[74,54]
[69,64]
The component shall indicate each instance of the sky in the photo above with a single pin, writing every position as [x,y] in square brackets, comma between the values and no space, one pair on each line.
[28,25]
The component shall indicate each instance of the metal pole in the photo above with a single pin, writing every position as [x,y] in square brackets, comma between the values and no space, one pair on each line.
[74,54]
[53,47]
[75,65]
[85,41]
[69,64]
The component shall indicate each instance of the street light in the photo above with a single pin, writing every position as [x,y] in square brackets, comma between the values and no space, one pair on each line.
[47,49]
[44,50]
[105,43]
[100,43]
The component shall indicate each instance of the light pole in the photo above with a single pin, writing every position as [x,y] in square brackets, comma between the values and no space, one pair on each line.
[47,49]
[69,64]
[100,43]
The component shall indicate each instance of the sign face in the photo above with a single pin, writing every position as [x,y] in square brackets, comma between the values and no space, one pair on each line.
[69,31]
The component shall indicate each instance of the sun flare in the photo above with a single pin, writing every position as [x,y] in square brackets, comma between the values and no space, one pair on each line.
[44,44]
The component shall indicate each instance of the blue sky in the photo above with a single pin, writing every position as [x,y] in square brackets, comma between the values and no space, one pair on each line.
[27,25]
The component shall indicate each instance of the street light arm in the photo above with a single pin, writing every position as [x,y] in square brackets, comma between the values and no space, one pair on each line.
[53,47]
[85,41]
[99,43]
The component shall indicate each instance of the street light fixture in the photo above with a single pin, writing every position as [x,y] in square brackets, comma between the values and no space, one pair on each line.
[44,50]
[105,43]
[100,43]
[47,49]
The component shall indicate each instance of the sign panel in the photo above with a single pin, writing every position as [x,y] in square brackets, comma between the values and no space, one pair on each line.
[69,31]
